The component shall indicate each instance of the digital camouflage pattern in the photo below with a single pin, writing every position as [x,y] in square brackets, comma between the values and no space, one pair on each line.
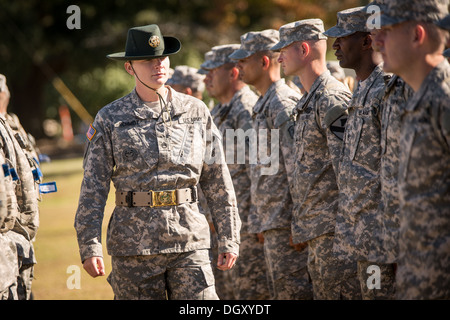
[272,182]
[9,220]
[166,152]
[208,56]
[220,55]
[358,180]
[302,30]
[424,190]
[319,126]
[332,278]
[23,221]
[418,10]
[8,251]
[288,272]
[249,274]
[229,118]
[349,21]
[189,277]
[255,41]
[394,100]
[27,221]
[187,77]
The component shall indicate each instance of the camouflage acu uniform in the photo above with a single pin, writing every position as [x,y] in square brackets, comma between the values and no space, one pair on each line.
[166,153]
[271,192]
[249,274]
[233,119]
[320,118]
[319,131]
[26,222]
[359,183]
[395,97]
[424,188]
[424,169]
[9,270]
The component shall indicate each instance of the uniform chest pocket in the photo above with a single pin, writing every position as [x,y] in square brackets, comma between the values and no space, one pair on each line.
[136,146]
[384,129]
[299,137]
[365,142]
[187,143]
[354,135]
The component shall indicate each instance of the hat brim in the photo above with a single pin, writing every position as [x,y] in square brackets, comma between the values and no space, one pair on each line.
[240,54]
[337,32]
[171,46]
[280,45]
[387,20]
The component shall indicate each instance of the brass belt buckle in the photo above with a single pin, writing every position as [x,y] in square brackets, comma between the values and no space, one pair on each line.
[163,198]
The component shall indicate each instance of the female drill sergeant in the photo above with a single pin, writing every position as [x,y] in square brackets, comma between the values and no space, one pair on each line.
[155,145]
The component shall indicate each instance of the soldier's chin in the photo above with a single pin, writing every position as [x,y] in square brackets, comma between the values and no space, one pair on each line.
[387,67]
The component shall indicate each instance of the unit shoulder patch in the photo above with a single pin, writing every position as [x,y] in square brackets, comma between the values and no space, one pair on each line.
[91,132]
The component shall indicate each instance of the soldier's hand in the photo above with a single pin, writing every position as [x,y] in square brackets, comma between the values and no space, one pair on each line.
[260,237]
[94,266]
[226,261]
[297,246]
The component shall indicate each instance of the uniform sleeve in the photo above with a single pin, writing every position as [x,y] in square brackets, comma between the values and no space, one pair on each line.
[333,112]
[217,186]
[285,125]
[98,166]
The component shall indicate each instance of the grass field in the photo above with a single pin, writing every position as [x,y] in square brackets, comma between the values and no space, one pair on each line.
[56,247]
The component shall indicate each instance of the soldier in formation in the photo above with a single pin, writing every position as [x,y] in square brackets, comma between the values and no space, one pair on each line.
[19,220]
[157,237]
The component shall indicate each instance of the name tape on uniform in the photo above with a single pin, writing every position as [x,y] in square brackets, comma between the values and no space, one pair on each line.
[48,187]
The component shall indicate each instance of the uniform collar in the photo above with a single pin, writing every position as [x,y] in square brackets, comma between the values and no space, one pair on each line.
[259,106]
[434,79]
[174,103]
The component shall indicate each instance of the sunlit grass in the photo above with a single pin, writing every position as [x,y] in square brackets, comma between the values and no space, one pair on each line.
[56,244]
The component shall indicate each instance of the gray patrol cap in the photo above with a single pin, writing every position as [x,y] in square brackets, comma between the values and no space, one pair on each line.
[302,30]
[398,11]
[208,56]
[381,4]
[187,77]
[255,41]
[220,56]
[349,21]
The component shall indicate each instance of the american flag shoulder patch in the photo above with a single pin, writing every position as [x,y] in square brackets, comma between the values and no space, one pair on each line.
[91,132]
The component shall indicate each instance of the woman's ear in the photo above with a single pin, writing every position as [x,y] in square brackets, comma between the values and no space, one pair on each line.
[129,68]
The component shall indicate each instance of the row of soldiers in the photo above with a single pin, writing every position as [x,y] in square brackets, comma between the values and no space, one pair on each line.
[19,197]
[358,207]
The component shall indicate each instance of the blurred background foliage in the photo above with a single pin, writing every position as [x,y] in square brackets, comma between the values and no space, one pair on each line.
[36,43]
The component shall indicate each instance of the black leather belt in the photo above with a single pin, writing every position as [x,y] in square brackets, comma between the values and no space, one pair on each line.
[156,198]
